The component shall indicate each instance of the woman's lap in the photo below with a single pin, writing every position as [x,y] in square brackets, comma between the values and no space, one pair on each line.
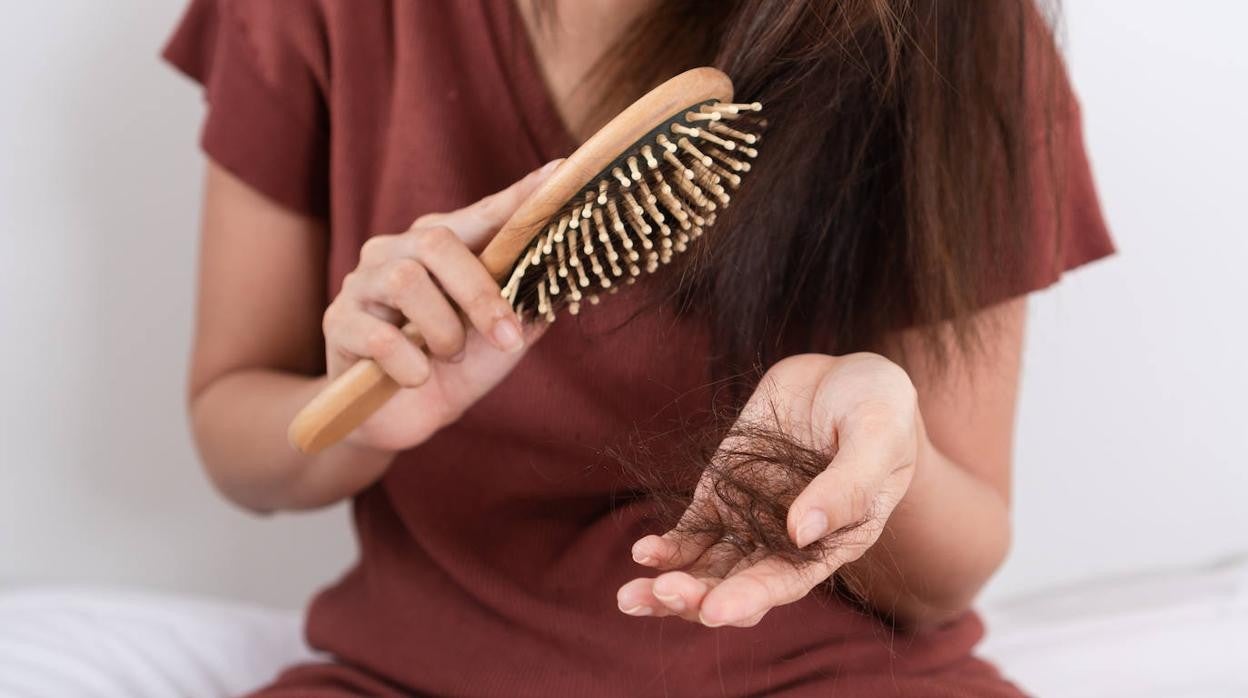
[77,642]
[327,680]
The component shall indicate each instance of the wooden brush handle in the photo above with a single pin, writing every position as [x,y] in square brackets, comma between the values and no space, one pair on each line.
[355,395]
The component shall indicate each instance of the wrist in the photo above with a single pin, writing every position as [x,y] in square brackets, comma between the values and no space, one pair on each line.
[928,462]
[359,452]
[337,473]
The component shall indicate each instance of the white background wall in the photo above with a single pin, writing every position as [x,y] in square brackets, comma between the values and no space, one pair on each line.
[1132,439]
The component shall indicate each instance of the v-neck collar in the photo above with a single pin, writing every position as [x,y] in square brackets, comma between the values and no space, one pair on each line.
[533,100]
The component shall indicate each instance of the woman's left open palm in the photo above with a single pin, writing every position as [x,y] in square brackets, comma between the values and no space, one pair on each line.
[862,408]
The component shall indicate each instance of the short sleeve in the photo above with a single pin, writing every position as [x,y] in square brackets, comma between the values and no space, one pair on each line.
[263,82]
[1066,227]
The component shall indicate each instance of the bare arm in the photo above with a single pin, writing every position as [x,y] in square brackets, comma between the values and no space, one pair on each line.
[951,531]
[265,342]
[913,507]
[258,351]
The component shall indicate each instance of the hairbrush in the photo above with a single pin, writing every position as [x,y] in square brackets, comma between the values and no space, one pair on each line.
[639,191]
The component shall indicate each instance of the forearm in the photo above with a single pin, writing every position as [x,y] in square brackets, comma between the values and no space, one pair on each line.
[239,421]
[943,542]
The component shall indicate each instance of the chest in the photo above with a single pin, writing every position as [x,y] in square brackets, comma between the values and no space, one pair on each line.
[572,43]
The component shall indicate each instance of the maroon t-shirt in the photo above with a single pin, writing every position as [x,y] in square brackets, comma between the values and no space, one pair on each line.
[489,557]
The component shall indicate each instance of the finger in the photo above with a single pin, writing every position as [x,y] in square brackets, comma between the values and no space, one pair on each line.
[478,222]
[849,491]
[677,590]
[636,598]
[482,367]
[360,335]
[672,550]
[719,559]
[681,593]
[404,284]
[760,587]
[462,276]
[376,251]
[745,561]
[383,311]
[685,543]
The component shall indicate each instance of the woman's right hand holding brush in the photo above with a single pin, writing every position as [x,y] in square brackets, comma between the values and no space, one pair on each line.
[421,277]
[258,327]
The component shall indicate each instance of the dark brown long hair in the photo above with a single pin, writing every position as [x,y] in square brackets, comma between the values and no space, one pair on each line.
[898,186]
[894,187]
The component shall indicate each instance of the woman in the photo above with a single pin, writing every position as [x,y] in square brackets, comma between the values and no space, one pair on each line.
[924,170]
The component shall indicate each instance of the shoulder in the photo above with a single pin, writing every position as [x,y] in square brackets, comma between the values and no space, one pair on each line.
[1066,217]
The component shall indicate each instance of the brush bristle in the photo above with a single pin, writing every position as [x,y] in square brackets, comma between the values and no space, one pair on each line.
[648,205]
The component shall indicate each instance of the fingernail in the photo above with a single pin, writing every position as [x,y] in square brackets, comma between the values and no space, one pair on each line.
[507,335]
[674,602]
[459,357]
[637,611]
[814,525]
[641,557]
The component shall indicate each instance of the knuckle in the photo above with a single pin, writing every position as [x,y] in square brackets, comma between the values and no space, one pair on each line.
[428,220]
[383,342]
[870,358]
[888,427]
[351,282]
[458,339]
[769,587]
[882,417]
[400,276]
[886,371]
[435,239]
[449,337]
[900,379]
[373,248]
[416,375]
[859,501]
[878,417]
[330,319]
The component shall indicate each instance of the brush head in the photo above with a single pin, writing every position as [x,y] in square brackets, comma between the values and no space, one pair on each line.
[640,206]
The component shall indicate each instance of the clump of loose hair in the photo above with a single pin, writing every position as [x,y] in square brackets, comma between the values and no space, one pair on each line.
[753,471]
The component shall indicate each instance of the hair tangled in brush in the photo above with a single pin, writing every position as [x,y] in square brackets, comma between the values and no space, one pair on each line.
[911,147]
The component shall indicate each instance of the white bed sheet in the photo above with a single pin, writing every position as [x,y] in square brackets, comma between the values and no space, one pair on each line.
[1183,635]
